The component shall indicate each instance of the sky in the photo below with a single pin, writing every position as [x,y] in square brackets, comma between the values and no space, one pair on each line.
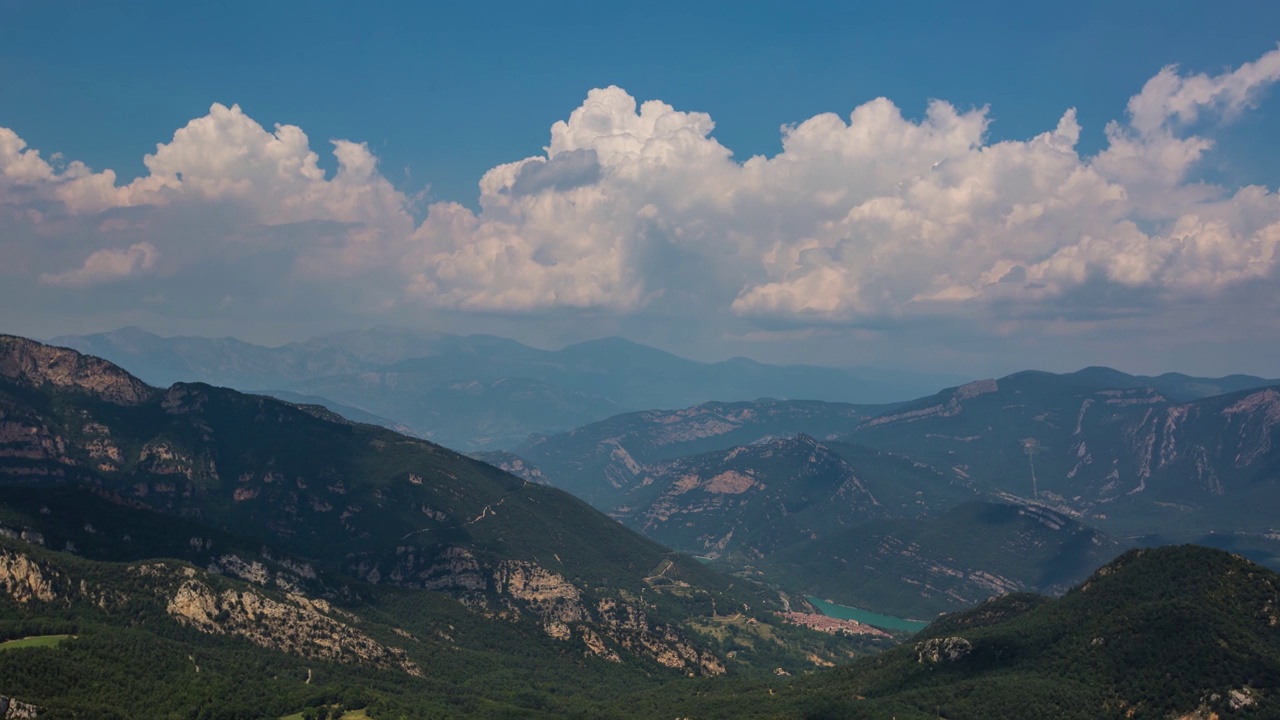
[971,188]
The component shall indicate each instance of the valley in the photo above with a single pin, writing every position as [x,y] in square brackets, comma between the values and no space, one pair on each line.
[885,622]
[198,522]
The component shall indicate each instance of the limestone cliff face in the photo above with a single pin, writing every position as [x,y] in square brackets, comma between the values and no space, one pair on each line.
[515,588]
[258,573]
[24,580]
[290,623]
[555,600]
[298,626]
[11,709]
[952,406]
[35,364]
[25,438]
[632,629]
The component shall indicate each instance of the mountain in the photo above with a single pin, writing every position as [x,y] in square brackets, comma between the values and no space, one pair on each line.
[312,504]
[863,526]
[1178,632]
[230,362]
[841,521]
[600,461]
[844,522]
[918,567]
[1175,386]
[1129,459]
[749,501]
[480,392]
[346,411]
[261,558]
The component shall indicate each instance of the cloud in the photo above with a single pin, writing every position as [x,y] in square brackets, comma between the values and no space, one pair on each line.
[873,215]
[565,171]
[106,266]
[635,207]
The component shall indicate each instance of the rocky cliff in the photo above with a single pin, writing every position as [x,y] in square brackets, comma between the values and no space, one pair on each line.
[35,364]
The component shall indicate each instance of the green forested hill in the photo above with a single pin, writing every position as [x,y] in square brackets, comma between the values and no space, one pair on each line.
[394,530]
[918,567]
[1175,632]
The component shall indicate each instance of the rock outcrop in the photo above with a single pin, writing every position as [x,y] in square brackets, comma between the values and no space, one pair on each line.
[35,364]
[298,626]
[947,649]
[11,709]
[24,580]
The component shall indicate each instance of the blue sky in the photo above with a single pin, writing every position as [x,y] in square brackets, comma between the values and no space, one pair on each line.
[440,95]
[448,90]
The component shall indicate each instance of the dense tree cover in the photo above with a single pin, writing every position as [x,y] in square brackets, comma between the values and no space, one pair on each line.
[1153,634]
[129,658]
[918,567]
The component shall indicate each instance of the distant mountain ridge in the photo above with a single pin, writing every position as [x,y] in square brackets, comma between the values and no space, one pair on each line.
[480,392]
[1133,458]
[618,448]
[747,484]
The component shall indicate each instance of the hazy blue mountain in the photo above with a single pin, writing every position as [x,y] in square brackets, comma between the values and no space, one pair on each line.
[1122,455]
[599,462]
[1175,386]
[750,501]
[479,392]
[346,411]
[742,483]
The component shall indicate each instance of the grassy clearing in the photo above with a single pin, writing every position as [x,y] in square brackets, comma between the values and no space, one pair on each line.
[742,630]
[33,641]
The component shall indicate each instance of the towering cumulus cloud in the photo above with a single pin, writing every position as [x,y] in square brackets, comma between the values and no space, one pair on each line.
[856,219]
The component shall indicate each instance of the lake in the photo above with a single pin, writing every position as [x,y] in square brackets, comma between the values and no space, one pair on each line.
[884,622]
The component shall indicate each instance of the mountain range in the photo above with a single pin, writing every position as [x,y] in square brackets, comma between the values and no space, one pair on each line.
[480,392]
[1126,456]
[306,502]
[263,558]
[1069,470]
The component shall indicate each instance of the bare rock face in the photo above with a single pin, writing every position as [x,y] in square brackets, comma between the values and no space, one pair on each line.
[256,573]
[298,626]
[30,440]
[11,709]
[952,406]
[24,580]
[632,629]
[948,649]
[1241,698]
[33,363]
[556,600]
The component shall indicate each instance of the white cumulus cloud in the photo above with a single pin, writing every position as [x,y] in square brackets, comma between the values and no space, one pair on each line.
[106,266]
[866,216]
[635,206]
